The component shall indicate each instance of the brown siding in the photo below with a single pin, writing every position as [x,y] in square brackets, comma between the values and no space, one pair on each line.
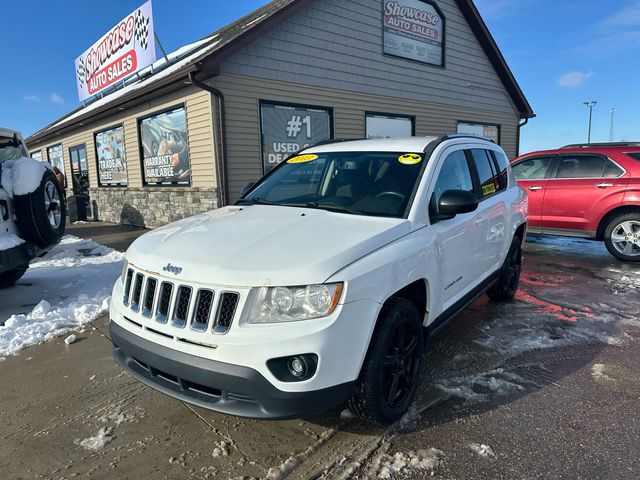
[243,93]
[199,125]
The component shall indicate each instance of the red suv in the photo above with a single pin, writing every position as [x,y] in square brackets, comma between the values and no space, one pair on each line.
[590,191]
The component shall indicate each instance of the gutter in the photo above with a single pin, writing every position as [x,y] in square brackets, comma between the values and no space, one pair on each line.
[221,149]
[520,125]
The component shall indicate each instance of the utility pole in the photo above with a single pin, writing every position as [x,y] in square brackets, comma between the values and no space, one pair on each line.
[590,106]
[613,112]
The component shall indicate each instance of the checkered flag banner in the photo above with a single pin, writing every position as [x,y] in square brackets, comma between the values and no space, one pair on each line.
[142,29]
[81,72]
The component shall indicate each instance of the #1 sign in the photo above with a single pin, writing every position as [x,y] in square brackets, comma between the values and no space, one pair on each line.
[125,49]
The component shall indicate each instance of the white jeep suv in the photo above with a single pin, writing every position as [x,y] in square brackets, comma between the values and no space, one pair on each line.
[323,283]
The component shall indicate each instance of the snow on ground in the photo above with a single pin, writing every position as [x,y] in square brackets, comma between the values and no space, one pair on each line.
[478,386]
[482,450]
[98,441]
[9,240]
[69,287]
[422,462]
[22,176]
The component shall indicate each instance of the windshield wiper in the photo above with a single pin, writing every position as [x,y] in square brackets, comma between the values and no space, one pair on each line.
[257,201]
[335,207]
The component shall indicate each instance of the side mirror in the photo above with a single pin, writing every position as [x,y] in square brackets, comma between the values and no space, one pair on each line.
[456,202]
[246,188]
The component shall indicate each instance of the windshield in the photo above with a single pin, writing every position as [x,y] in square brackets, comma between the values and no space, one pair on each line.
[362,183]
[9,150]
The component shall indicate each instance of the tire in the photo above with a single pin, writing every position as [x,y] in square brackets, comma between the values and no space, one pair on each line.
[387,364]
[9,278]
[622,237]
[507,286]
[40,215]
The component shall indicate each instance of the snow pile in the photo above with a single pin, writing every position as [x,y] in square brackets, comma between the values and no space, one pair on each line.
[102,438]
[22,176]
[406,463]
[476,387]
[9,240]
[597,372]
[73,283]
[221,449]
[482,450]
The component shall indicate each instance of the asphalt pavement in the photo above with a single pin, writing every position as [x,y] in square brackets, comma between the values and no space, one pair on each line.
[545,387]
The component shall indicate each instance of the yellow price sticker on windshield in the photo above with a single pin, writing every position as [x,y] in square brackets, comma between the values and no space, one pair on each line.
[410,158]
[302,159]
[488,190]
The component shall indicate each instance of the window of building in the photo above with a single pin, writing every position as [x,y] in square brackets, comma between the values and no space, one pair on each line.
[288,128]
[56,159]
[492,132]
[164,148]
[37,155]
[380,125]
[110,157]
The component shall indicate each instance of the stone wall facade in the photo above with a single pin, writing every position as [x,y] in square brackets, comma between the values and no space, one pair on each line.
[150,207]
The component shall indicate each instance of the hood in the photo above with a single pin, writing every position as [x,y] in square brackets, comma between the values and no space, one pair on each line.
[262,245]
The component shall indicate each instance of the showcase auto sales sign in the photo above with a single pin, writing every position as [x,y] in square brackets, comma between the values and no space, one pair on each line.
[414,29]
[125,49]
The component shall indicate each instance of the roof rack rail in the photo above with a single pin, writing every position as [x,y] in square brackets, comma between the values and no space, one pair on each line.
[603,144]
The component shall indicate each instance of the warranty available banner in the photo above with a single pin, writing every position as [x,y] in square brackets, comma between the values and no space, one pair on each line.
[125,49]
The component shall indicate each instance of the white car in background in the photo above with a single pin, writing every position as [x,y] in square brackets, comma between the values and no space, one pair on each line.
[323,283]
[32,209]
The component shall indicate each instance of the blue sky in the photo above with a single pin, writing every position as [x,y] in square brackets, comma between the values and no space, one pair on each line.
[562,53]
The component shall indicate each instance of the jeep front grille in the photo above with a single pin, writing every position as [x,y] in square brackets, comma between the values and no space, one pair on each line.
[202,309]
[137,290]
[226,311]
[181,309]
[164,303]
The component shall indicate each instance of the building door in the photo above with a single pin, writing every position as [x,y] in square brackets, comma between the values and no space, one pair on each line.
[80,179]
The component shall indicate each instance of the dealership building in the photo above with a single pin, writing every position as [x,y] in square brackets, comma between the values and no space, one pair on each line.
[183,135]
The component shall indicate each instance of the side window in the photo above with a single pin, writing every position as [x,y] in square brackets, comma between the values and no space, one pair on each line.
[580,167]
[611,170]
[454,175]
[503,166]
[489,181]
[532,168]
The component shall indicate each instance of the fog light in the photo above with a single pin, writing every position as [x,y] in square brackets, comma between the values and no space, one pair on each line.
[297,366]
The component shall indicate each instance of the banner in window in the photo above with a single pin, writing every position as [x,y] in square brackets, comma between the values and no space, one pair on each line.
[287,129]
[414,29]
[56,158]
[388,126]
[112,164]
[492,132]
[165,148]
[37,155]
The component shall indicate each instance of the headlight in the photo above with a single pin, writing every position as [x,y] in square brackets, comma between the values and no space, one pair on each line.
[290,304]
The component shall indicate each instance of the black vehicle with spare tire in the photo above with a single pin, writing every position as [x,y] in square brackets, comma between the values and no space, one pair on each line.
[32,208]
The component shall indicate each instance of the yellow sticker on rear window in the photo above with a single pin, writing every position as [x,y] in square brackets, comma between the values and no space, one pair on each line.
[410,158]
[302,159]
[488,190]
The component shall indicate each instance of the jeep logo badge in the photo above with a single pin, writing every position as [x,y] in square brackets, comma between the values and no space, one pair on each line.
[172,269]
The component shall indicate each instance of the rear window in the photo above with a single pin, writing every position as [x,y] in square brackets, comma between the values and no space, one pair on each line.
[635,155]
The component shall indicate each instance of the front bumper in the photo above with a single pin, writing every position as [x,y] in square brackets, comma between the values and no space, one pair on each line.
[215,385]
[16,257]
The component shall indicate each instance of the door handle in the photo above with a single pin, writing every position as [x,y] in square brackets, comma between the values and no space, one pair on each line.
[604,185]
[535,188]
